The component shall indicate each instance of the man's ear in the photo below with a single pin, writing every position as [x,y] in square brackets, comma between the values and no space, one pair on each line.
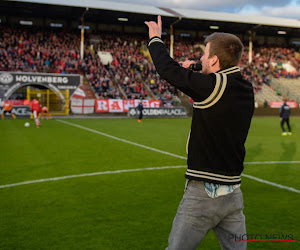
[214,61]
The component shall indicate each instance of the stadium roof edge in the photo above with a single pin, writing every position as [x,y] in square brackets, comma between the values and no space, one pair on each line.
[104,5]
[172,12]
[237,18]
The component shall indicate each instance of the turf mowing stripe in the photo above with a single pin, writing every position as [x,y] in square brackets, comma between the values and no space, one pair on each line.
[88,174]
[142,169]
[181,157]
[119,139]
[164,152]
[272,183]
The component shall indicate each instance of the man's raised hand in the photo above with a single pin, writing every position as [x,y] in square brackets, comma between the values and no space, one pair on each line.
[154,28]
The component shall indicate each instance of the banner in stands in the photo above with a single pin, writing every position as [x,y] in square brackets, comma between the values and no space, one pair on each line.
[11,81]
[121,106]
[279,104]
[19,111]
[105,57]
[158,112]
[82,106]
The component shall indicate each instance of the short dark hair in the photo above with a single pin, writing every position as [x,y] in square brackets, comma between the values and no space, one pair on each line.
[227,47]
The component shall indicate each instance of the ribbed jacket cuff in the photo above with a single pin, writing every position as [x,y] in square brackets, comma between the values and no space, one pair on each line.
[155,39]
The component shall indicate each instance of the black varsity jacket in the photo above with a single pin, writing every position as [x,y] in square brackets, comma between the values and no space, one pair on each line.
[222,112]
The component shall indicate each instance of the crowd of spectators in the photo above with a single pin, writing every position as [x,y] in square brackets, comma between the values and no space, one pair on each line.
[270,61]
[35,50]
[99,75]
[127,64]
[131,70]
[32,50]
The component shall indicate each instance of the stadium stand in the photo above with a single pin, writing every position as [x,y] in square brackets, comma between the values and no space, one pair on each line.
[34,50]
[288,87]
[122,70]
[131,74]
[269,64]
[267,94]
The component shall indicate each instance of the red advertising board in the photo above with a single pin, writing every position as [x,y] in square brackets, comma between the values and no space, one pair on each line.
[279,104]
[121,106]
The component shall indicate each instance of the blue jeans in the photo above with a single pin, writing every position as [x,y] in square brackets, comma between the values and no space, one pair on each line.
[197,214]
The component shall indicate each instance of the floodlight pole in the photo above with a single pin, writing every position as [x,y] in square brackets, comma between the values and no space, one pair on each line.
[82,34]
[251,34]
[250,47]
[172,37]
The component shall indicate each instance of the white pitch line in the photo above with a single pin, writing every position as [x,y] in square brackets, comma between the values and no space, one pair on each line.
[88,174]
[161,151]
[181,157]
[135,170]
[142,169]
[119,139]
[164,152]
[272,183]
[270,162]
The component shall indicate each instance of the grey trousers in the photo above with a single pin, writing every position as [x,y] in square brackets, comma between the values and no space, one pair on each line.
[197,214]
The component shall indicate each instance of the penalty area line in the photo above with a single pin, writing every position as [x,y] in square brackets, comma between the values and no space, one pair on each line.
[88,174]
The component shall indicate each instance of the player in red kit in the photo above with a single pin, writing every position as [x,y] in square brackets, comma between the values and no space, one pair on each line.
[35,108]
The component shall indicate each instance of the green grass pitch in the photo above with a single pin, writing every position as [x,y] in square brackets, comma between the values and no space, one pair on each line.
[130,210]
